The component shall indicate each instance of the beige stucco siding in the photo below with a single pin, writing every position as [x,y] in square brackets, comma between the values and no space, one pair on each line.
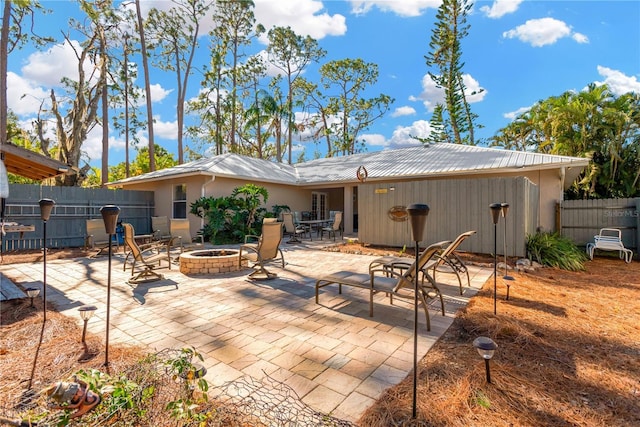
[298,199]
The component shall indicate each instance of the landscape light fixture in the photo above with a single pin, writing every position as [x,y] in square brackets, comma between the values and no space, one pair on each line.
[86,313]
[505,209]
[46,206]
[32,293]
[110,218]
[495,216]
[486,348]
[418,218]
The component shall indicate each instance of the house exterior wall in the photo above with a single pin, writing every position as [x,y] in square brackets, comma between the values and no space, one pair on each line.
[298,199]
[548,182]
[456,206]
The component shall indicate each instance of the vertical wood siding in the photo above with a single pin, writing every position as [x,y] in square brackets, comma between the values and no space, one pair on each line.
[582,219]
[455,206]
[66,226]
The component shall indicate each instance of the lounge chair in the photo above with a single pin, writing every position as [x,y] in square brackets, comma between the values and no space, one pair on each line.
[391,282]
[333,228]
[446,261]
[610,239]
[181,233]
[148,259]
[265,250]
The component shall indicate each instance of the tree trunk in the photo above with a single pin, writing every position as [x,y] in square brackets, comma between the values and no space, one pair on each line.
[147,89]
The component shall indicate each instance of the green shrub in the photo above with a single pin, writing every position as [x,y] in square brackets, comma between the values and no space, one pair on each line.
[555,251]
[230,218]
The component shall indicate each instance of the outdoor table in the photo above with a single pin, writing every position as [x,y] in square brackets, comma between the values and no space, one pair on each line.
[318,223]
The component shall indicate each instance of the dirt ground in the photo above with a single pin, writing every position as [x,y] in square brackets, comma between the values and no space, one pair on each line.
[568,351]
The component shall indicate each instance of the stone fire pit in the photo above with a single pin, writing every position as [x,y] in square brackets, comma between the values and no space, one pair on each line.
[210,261]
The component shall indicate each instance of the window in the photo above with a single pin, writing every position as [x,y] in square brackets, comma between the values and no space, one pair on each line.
[180,201]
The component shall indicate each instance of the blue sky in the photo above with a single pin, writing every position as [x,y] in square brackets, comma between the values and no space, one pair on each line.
[519,52]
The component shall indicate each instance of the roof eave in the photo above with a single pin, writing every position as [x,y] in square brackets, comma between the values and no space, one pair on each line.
[124,182]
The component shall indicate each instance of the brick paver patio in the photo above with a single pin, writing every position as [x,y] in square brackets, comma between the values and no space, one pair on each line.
[337,358]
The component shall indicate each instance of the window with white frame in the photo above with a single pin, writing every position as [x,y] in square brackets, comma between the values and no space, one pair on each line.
[180,201]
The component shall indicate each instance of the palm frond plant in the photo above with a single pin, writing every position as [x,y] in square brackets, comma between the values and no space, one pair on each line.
[554,250]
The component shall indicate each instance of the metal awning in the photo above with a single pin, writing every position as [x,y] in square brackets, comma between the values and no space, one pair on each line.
[29,164]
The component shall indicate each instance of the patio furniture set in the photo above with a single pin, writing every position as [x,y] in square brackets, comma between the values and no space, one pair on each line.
[396,276]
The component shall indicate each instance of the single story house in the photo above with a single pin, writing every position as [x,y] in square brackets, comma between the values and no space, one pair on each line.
[458,182]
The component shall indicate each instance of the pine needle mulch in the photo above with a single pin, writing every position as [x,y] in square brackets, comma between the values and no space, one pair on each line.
[568,354]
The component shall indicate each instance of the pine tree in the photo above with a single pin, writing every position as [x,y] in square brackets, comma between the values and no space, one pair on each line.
[453,119]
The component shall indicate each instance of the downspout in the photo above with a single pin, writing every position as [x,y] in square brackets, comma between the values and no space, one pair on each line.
[563,173]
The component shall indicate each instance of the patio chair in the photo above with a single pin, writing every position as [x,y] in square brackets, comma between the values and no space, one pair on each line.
[392,282]
[97,237]
[148,259]
[610,239]
[334,228]
[292,229]
[265,250]
[446,261]
[160,228]
[181,232]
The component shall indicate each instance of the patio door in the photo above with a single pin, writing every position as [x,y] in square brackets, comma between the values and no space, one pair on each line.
[319,205]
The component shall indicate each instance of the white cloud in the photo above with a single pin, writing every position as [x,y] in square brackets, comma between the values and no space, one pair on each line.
[158,93]
[49,67]
[499,8]
[24,98]
[399,7]
[305,17]
[374,139]
[543,31]
[580,38]
[403,136]
[513,114]
[92,146]
[431,95]
[165,130]
[403,111]
[618,82]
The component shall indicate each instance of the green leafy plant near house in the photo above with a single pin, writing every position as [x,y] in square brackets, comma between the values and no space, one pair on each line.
[555,251]
[230,218]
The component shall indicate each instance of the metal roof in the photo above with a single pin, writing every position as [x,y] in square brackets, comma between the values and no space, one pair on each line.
[402,163]
[429,160]
[224,165]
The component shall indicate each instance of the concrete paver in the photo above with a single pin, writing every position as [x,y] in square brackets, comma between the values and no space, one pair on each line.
[333,355]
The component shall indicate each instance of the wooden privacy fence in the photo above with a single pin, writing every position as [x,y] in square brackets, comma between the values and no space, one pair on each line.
[456,206]
[74,205]
[580,220]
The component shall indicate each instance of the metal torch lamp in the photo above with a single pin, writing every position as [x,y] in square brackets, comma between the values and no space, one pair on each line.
[495,216]
[418,218]
[46,206]
[110,217]
[507,278]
